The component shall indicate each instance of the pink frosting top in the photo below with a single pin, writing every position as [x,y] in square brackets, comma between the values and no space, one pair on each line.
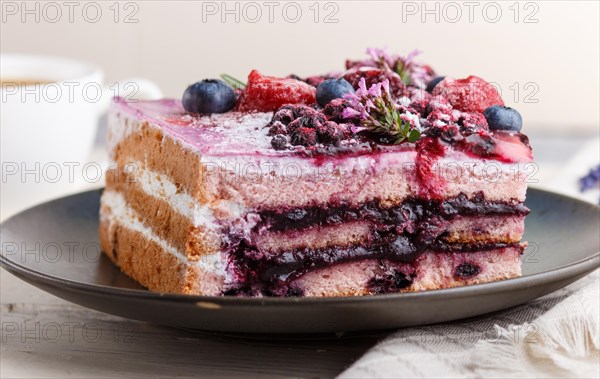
[245,134]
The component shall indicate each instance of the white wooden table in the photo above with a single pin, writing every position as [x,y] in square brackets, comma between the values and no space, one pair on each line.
[44,336]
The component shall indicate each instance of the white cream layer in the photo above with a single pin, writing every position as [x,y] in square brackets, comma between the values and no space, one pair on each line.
[161,187]
[128,218]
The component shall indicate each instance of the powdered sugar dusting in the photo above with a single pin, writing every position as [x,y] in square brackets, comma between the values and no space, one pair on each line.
[231,133]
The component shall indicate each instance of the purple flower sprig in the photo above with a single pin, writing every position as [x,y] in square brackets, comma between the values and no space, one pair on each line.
[378,113]
[591,180]
[402,66]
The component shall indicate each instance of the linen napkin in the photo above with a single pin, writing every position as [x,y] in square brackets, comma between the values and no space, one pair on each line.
[555,336]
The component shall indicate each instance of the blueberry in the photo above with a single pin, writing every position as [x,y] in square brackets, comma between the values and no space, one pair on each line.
[500,117]
[466,270]
[332,89]
[208,96]
[279,142]
[434,82]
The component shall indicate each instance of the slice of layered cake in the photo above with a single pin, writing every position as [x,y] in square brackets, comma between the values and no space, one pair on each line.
[382,178]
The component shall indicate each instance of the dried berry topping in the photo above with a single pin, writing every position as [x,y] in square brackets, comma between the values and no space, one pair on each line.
[388,106]
[330,133]
[293,122]
[333,111]
[304,136]
[285,115]
[277,128]
[279,142]
[470,122]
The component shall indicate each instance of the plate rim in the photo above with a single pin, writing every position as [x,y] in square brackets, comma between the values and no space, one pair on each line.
[581,266]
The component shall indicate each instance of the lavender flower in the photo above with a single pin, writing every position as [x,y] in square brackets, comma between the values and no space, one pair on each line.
[591,180]
[378,113]
[401,66]
[381,58]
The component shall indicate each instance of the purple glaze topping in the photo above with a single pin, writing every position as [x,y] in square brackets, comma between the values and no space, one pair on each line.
[243,134]
[221,135]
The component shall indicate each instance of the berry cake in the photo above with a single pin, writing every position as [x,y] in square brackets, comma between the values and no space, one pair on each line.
[381,178]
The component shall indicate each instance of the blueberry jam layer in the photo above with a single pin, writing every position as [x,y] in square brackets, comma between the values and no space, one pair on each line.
[407,215]
[274,275]
[400,234]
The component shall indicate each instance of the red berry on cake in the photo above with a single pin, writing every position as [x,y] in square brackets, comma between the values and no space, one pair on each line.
[304,136]
[472,94]
[268,93]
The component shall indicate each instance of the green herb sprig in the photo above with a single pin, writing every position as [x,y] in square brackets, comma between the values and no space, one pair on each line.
[233,82]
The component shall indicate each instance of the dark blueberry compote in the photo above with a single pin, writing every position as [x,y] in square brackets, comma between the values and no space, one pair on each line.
[404,216]
[274,274]
[400,234]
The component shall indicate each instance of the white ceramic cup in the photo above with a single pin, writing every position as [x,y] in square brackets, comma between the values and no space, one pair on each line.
[47,131]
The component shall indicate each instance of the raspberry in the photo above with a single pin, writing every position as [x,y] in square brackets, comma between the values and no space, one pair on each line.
[279,142]
[267,93]
[311,122]
[330,133]
[304,136]
[472,94]
[333,110]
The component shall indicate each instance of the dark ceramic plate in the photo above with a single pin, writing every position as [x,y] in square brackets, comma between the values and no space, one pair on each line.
[54,246]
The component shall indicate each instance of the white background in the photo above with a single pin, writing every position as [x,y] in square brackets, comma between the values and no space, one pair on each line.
[553,44]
